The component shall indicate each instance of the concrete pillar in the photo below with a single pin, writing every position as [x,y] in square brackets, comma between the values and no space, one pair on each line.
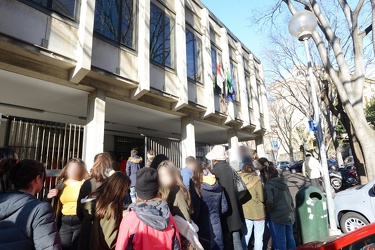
[93,138]
[84,42]
[188,137]
[242,84]
[260,146]
[234,154]
[180,56]
[207,63]
[143,45]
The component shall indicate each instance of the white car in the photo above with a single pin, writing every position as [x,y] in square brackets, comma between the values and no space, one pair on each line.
[355,207]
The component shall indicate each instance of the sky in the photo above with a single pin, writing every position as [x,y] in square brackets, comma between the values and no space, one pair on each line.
[235,14]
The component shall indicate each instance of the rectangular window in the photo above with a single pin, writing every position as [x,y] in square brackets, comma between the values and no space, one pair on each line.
[63,7]
[213,61]
[234,76]
[260,98]
[248,90]
[161,37]
[193,57]
[114,19]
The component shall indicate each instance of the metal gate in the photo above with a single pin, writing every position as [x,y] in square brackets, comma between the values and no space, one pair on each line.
[50,143]
[171,148]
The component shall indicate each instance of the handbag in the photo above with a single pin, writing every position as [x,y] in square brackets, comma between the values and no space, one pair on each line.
[239,185]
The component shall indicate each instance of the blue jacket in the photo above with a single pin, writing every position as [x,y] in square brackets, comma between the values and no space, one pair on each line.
[132,166]
[26,223]
[207,212]
[186,174]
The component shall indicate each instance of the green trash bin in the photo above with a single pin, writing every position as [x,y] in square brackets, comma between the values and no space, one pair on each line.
[312,216]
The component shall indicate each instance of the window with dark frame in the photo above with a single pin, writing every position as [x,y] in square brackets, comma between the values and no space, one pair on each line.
[161,37]
[114,19]
[259,86]
[234,75]
[63,7]
[248,90]
[214,62]
[193,57]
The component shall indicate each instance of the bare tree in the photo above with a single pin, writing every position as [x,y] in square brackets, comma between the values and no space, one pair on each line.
[341,49]
[289,77]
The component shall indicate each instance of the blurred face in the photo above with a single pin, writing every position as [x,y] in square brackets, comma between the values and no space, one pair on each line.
[192,166]
[74,171]
[165,178]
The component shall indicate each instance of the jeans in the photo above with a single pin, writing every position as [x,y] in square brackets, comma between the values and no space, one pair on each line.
[133,195]
[284,237]
[271,227]
[69,231]
[258,233]
[233,241]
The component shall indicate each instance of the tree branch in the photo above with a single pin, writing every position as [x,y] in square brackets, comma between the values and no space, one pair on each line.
[358,9]
[347,12]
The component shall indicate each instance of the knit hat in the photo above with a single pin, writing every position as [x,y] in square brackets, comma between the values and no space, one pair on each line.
[147,184]
[217,153]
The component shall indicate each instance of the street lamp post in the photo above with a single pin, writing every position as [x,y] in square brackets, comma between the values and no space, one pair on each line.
[301,26]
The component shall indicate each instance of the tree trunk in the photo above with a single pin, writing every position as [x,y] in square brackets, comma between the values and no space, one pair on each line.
[358,154]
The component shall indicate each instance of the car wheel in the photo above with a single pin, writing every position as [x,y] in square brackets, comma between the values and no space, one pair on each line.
[336,183]
[293,171]
[352,221]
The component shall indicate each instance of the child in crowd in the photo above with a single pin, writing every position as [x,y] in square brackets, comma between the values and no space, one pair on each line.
[279,204]
[188,171]
[150,157]
[209,204]
[67,190]
[173,190]
[132,166]
[175,193]
[25,222]
[253,209]
[100,171]
[106,203]
[149,223]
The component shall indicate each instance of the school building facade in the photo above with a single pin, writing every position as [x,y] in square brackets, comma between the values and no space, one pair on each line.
[79,77]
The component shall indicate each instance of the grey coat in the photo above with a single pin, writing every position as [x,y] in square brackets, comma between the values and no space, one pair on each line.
[233,219]
[26,223]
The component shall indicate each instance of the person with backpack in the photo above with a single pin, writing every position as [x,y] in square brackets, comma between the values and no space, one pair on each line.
[149,224]
[233,220]
[279,205]
[133,164]
[25,222]
[209,204]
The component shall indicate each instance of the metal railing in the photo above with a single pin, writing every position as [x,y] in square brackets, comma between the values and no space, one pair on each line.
[171,148]
[50,143]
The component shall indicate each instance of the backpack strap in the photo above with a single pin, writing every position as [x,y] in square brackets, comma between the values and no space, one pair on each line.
[175,243]
[130,244]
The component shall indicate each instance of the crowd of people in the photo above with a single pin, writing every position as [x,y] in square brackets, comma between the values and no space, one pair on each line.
[151,205]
